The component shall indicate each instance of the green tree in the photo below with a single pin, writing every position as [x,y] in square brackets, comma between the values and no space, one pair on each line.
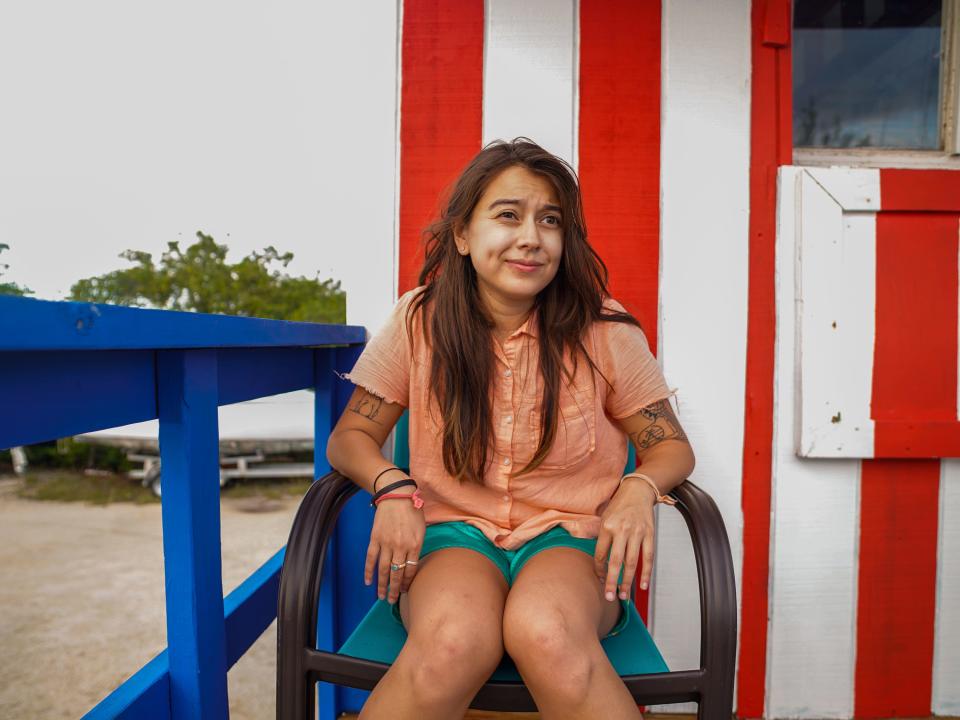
[8,288]
[200,279]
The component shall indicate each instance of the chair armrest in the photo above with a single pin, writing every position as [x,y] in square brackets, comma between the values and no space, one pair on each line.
[300,579]
[718,594]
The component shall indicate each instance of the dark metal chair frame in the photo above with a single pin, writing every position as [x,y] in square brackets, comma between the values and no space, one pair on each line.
[300,665]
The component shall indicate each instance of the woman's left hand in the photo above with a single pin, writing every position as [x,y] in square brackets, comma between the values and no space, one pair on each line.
[626,529]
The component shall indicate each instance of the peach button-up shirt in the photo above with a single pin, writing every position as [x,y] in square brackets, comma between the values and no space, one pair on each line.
[578,477]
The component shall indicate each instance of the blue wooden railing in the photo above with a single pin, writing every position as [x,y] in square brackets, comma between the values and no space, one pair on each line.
[69,368]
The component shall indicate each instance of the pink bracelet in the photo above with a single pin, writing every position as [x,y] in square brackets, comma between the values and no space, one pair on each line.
[415,496]
[660,498]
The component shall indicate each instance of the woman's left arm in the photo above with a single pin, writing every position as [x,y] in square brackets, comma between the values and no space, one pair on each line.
[626,526]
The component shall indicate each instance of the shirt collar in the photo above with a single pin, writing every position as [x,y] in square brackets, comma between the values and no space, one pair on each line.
[529,325]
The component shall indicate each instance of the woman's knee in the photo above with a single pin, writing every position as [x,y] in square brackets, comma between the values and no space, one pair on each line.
[457,654]
[549,647]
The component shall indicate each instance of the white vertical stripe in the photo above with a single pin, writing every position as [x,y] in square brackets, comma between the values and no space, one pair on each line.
[528,73]
[946,644]
[575,129]
[705,155]
[815,532]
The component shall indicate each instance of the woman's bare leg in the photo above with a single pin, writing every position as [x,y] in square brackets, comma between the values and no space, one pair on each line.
[553,620]
[453,612]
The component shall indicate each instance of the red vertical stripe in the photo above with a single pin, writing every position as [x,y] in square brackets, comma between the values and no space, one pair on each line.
[914,381]
[619,147]
[771,145]
[619,154]
[915,356]
[896,598]
[441,113]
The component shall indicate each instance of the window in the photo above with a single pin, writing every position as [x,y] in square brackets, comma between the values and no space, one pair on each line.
[874,78]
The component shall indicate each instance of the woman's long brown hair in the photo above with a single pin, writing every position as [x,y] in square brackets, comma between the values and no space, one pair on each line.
[459,327]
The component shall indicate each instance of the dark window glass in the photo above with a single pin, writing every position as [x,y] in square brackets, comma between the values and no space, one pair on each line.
[866,73]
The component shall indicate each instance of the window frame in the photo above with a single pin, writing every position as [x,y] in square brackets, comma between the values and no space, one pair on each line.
[949,101]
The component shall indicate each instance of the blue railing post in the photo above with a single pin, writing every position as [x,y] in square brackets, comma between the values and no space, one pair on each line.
[331,398]
[187,393]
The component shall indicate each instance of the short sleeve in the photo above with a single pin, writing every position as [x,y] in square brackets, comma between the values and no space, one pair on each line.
[384,366]
[630,367]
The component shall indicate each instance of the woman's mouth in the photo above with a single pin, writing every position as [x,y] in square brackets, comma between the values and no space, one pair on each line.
[524,267]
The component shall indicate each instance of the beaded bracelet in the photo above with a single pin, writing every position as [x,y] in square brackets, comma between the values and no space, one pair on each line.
[660,498]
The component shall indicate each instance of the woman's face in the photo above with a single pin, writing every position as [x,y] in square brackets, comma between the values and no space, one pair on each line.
[515,236]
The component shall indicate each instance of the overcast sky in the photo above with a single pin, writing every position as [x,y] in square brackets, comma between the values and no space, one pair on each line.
[128,125]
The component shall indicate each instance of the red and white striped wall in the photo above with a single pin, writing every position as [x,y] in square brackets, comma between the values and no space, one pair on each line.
[677,117]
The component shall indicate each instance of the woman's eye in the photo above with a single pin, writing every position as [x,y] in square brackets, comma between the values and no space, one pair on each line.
[554,218]
[507,212]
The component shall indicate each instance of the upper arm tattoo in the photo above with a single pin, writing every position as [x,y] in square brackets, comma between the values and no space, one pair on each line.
[368,405]
[661,424]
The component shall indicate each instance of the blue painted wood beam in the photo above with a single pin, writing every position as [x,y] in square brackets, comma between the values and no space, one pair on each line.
[30,324]
[108,388]
[189,452]
[144,696]
[249,610]
[50,395]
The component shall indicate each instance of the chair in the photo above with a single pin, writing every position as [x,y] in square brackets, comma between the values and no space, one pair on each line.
[363,659]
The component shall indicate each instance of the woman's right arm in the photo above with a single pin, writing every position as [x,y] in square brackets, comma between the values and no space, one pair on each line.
[354,445]
[398,526]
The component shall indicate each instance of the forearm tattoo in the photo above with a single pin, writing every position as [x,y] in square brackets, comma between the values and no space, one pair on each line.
[368,406]
[661,424]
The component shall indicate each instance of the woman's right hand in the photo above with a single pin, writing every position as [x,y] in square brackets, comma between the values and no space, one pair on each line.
[397,536]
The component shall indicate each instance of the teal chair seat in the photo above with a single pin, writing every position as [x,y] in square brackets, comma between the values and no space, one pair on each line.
[380,638]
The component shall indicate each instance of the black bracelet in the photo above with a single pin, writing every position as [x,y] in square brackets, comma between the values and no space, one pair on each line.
[392,486]
[392,467]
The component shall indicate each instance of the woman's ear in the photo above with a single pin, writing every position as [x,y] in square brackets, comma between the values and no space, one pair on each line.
[463,247]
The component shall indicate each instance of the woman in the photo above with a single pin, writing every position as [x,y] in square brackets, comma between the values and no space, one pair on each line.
[514,529]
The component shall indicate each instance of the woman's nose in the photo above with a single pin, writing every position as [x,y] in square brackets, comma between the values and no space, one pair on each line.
[529,233]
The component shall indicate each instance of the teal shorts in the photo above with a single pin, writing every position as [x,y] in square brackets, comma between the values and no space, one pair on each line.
[461,534]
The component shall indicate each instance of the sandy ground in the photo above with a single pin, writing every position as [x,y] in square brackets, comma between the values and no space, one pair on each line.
[82,600]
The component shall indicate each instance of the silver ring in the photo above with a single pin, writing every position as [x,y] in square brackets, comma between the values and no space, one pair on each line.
[394,566]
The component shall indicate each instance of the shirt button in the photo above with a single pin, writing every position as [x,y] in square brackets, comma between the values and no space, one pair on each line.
[509,418]
[506,498]
[508,373]
[506,461]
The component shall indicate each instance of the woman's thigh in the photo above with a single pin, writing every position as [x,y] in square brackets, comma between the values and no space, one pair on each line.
[455,585]
[560,582]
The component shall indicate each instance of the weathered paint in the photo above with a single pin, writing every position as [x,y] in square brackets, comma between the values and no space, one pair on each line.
[813,560]
[528,72]
[619,156]
[835,268]
[704,262]
[441,106]
[897,587]
[946,650]
[771,144]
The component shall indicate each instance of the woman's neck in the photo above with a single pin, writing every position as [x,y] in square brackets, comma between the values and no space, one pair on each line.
[507,315]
